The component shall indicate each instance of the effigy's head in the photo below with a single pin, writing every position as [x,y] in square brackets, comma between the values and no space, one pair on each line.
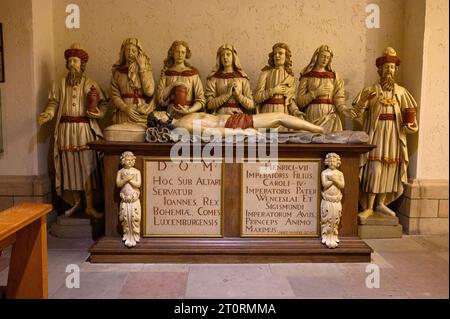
[159,127]
[159,119]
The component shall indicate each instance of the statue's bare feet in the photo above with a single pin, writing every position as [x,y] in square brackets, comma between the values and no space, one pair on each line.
[73,209]
[90,211]
[385,210]
[364,215]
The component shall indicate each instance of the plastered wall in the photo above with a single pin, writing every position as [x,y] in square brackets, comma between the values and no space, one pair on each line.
[29,69]
[433,160]
[252,26]
[20,153]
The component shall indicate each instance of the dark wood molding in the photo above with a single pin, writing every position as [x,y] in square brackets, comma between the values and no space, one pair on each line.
[229,250]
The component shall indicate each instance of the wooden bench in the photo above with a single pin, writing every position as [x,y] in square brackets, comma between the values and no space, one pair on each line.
[25,228]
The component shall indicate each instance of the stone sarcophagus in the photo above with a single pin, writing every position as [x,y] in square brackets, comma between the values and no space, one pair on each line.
[238,210]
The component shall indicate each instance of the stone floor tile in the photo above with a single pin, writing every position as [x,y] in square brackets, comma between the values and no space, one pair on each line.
[443,255]
[425,286]
[58,260]
[163,285]
[427,294]
[351,268]
[374,293]
[417,263]
[422,277]
[433,243]
[165,268]
[236,281]
[86,266]
[306,270]
[317,287]
[56,243]
[356,276]
[100,285]
[360,285]
[395,244]
[410,267]
[55,281]
[380,261]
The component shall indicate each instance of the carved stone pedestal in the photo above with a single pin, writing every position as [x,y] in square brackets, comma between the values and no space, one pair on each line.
[380,226]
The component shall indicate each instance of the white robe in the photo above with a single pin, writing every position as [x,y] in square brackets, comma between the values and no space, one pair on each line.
[269,79]
[216,95]
[322,114]
[120,84]
[194,94]
[75,164]
[384,169]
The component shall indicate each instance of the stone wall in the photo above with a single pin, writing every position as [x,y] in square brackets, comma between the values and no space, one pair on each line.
[424,207]
[19,189]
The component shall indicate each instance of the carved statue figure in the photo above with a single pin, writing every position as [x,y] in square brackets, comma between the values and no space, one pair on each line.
[238,123]
[77,104]
[330,206]
[228,86]
[321,92]
[129,181]
[389,114]
[180,90]
[275,91]
[132,84]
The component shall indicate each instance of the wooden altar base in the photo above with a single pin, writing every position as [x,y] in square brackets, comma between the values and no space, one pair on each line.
[229,250]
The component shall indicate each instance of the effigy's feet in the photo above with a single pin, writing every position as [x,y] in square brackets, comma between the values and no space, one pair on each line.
[364,215]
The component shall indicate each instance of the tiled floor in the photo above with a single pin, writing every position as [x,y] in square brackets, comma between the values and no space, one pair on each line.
[410,267]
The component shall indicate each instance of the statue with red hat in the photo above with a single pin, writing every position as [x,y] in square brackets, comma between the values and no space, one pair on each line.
[76,104]
[389,113]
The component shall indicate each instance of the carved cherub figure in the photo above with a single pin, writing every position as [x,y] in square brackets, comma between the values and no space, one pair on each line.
[331,207]
[129,180]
